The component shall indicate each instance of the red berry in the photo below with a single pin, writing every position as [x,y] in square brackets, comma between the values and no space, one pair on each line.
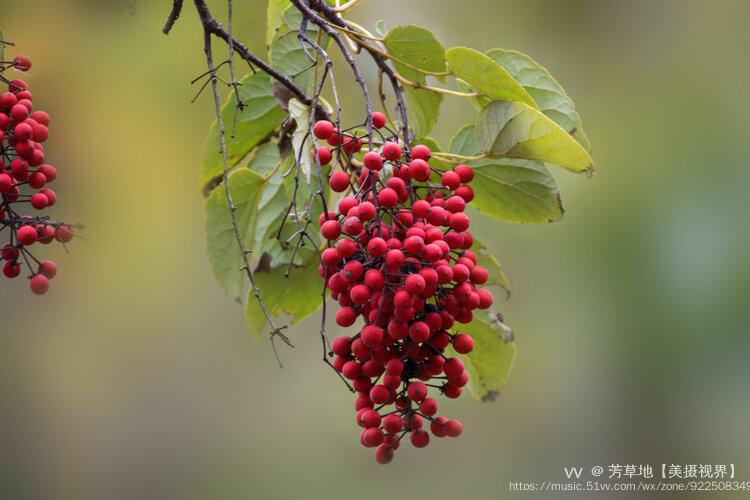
[463,343]
[392,151]
[451,180]
[392,423]
[378,119]
[465,172]
[323,129]
[428,407]
[339,181]
[388,197]
[41,117]
[453,428]
[379,394]
[22,63]
[341,345]
[26,235]
[421,152]
[419,169]
[330,229]
[420,438]
[48,268]
[346,316]
[373,161]
[384,454]
[324,155]
[11,269]
[39,284]
[416,391]
[39,201]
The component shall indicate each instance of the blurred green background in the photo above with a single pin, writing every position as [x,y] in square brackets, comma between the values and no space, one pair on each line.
[135,377]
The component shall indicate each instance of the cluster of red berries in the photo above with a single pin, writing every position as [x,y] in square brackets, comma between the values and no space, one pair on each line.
[23,168]
[402,260]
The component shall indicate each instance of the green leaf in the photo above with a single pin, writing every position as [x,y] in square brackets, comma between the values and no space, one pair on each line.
[274,200]
[297,296]
[548,94]
[515,190]
[494,268]
[515,130]
[413,49]
[260,116]
[490,363]
[300,113]
[486,75]
[418,48]
[287,52]
[250,193]
[273,18]
[423,109]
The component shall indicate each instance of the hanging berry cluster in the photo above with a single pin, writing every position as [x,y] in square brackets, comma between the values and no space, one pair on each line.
[402,260]
[24,177]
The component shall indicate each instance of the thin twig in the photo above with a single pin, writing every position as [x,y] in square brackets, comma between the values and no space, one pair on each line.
[275,331]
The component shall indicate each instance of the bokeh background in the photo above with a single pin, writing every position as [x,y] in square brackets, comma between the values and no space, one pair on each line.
[135,378]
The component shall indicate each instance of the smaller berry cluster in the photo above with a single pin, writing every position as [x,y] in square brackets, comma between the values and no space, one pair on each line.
[402,261]
[24,177]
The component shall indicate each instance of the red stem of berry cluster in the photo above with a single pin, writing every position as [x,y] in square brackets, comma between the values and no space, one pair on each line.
[24,181]
[402,261]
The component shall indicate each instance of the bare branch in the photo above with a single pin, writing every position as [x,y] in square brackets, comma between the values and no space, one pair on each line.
[275,331]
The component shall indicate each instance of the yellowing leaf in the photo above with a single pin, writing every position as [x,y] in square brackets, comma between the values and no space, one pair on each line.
[485,75]
[515,130]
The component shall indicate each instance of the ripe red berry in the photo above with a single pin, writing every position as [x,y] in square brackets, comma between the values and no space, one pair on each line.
[323,129]
[419,438]
[378,119]
[48,268]
[39,201]
[416,391]
[465,172]
[346,316]
[438,426]
[339,181]
[384,454]
[419,169]
[463,343]
[421,152]
[11,269]
[379,394]
[451,180]
[453,428]
[388,197]
[392,151]
[330,229]
[22,63]
[324,155]
[428,407]
[373,161]
[39,284]
[26,235]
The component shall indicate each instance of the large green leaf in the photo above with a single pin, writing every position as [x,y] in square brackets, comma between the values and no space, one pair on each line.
[273,18]
[413,49]
[486,75]
[515,190]
[514,130]
[490,363]
[297,296]
[259,117]
[418,48]
[251,194]
[494,268]
[548,94]
[287,52]
[423,108]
